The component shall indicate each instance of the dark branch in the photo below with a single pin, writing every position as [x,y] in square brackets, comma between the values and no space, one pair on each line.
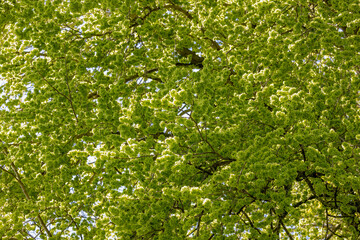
[298,204]
[287,231]
[178,8]
[135,76]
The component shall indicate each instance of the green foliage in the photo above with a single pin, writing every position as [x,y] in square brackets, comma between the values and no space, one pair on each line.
[179,119]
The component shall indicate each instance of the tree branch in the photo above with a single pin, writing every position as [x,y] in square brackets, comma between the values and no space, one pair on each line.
[135,76]
[178,8]
[144,17]
[304,201]
[303,152]
[54,88]
[198,223]
[333,232]
[287,231]
[67,98]
[195,59]
[70,97]
[251,223]
[18,179]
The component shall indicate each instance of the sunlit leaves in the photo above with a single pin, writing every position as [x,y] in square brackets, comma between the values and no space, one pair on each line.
[179,119]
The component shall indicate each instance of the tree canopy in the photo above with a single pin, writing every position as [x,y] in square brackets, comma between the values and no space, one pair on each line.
[174,119]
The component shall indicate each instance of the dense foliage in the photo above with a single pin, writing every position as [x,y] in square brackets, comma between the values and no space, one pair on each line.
[174,119]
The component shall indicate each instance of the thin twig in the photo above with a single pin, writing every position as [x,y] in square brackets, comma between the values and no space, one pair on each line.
[201,136]
[333,232]
[54,88]
[70,97]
